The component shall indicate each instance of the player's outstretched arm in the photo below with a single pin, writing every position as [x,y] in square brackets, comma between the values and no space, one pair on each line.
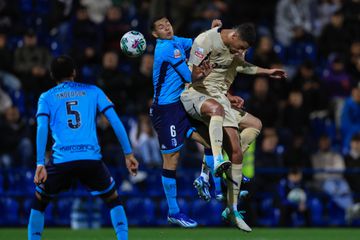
[248,68]
[120,132]
[41,140]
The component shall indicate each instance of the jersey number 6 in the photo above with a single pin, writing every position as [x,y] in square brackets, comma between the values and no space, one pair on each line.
[76,114]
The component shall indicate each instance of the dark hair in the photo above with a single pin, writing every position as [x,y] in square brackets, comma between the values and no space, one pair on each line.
[355,137]
[247,33]
[62,67]
[154,19]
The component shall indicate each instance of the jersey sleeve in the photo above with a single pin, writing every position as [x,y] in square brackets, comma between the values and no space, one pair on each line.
[103,102]
[43,107]
[201,48]
[186,43]
[171,56]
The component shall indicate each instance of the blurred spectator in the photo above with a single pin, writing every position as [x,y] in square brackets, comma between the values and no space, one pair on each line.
[325,9]
[9,17]
[351,9]
[178,11]
[111,149]
[350,117]
[115,84]
[142,85]
[262,103]
[5,101]
[86,37]
[307,81]
[7,79]
[267,157]
[352,162]
[15,146]
[145,143]
[336,80]
[96,9]
[295,116]
[297,155]
[115,26]
[290,202]
[334,37]
[32,63]
[264,54]
[354,62]
[279,87]
[203,22]
[292,16]
[331,182]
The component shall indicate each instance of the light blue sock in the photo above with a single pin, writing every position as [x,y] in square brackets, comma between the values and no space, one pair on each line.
[169,185]
[36,225]
[119,222]
[209,159]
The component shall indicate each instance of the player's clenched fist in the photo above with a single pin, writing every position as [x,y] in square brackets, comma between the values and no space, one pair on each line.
[40,174]
[132,164]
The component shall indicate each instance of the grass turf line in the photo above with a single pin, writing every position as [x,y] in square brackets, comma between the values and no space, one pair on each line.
[190,234]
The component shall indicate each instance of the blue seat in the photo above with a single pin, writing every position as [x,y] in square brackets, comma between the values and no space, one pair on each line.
[10,212]
[63,211]
[206,214]
[317,212]
[270,215]
[140,211]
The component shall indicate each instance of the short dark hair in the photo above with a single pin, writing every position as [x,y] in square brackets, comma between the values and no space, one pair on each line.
[154,19]
[247,33]
[62,67]
[355,137]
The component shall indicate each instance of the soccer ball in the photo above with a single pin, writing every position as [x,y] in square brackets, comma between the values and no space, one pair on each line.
[296,195]
[133,44]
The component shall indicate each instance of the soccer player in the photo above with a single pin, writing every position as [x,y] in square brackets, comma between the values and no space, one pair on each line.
[207,101]
[70,110]
[170,74]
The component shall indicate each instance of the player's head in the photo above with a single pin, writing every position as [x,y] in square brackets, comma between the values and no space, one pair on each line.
[242,38]
[162,28]
[62,68]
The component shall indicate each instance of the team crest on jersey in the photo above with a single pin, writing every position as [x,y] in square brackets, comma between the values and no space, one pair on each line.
[177,53]
[199,52]
[173,142]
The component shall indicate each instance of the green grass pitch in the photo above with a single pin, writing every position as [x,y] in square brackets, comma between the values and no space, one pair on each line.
[190,234]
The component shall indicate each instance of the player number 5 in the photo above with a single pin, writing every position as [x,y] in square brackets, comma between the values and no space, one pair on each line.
[172,131]
[76,114]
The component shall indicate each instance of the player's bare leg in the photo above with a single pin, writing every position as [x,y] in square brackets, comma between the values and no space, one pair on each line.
[212,109]
[250,128]
[234,177]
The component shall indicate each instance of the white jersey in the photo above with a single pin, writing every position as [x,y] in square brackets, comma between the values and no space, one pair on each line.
[225,64]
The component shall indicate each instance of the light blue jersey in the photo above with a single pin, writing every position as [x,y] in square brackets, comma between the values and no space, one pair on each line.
[170,70]
[71,108]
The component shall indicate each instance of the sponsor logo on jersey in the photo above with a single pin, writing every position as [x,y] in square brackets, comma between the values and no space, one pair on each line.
[78,148]
[177,53]
[199,52]
[163,146]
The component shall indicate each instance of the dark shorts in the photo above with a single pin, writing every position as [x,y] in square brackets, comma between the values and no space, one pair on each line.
[93,174]
[172,126]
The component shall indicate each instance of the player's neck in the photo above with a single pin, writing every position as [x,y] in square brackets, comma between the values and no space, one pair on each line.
[65,80]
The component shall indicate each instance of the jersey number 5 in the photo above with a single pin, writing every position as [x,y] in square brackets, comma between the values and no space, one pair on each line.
[76,114]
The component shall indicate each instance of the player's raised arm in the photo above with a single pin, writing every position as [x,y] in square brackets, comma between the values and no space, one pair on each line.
[106,107]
